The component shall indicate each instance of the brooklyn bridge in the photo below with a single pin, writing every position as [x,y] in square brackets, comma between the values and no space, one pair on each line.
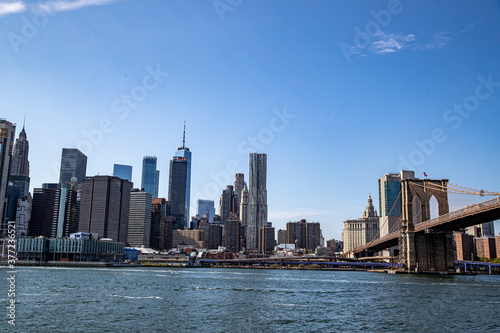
[428,245]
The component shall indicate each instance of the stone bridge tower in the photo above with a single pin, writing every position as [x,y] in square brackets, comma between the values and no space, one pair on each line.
[430,250]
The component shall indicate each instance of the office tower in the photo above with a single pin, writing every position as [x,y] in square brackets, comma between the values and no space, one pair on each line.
[77,210]
[139,219]
[123,171]
[53,212]
[267,239]
[239,185]
[232,233]
[257,199]
[7,132]
[104,207]
[179,191]
[363,230]
[213,234]
[73,164]
[227,205]
[169,226]
[206,207]
[150,176]
[158,215]
[19,180]
[20,163]
[281,236]
[23,216]
[389,187]
[244,206]
[305,235]
[195,221]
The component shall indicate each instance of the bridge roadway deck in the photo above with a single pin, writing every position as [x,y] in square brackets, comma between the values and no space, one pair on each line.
[471,215]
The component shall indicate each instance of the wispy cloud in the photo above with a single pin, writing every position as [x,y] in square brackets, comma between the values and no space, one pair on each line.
[469,28]
[386,43]
[437,41]
[12,7]
[51,6]
[389,43]
[64,6]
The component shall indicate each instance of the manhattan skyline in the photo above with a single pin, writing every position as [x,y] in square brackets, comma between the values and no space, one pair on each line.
[421,94]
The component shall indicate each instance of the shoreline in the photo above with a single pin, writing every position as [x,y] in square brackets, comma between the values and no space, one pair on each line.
[96,264]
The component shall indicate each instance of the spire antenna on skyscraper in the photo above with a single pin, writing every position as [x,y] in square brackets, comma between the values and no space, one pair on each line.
[184,136]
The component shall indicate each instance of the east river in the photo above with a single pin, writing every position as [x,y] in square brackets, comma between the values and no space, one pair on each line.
[49,299]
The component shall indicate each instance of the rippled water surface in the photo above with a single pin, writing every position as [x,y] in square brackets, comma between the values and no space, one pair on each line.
[232,300]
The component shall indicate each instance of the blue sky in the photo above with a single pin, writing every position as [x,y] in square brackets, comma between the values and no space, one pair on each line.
[337,93]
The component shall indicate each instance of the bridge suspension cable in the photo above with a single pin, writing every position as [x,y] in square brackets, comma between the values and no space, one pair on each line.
[451,188]
[386,219]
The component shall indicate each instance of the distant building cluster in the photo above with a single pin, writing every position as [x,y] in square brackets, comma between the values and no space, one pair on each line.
[112,210]
[109,209]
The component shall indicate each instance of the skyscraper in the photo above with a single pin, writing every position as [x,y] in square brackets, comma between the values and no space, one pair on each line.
[19,180]
[305,235]
[7,132]
[232,235]
[267,239]
[239,184]
[389,188]
[244,206]
[158,221]
[257,203]
[139,221]
[212,233]
[53,212]
[104,207]
[227,205]
[179,184]
[177,191]
[73,165]
[150,175]
[206,207]
[20,163]
[122,171]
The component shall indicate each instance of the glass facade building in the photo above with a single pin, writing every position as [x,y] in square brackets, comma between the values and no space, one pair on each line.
[185,154]
[122,171]
[204,207]
[150,175]
[73,165]
[177,205]
[389,188]
[179,184]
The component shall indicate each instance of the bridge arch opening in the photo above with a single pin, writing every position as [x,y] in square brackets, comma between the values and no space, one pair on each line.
[433,207]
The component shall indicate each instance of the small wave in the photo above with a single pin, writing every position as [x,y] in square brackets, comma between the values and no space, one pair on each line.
[137,297]
[204,288]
